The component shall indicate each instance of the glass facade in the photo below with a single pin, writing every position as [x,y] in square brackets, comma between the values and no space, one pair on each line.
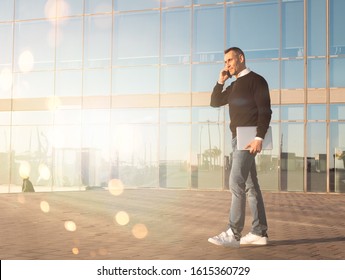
[94,90]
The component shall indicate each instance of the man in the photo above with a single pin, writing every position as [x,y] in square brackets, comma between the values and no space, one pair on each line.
[249,105]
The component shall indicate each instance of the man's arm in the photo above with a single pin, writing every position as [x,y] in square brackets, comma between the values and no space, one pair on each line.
[218,96]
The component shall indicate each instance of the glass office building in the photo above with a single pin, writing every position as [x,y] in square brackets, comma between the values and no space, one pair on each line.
[95,90]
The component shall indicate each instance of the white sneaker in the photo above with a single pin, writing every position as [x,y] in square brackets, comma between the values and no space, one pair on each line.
[253,239]
[226,239]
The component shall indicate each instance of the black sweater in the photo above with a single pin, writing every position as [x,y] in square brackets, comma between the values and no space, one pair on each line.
[249,102]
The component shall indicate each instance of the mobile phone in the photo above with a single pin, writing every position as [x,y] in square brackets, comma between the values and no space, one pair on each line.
[228,73]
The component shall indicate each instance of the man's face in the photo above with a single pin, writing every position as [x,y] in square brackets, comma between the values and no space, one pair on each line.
[234,63]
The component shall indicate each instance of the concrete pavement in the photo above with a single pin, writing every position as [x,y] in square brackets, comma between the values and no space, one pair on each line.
[152,224]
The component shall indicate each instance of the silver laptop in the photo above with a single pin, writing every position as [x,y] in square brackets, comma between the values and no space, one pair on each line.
[246,134]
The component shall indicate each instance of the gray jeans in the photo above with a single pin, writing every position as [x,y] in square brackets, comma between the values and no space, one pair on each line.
[244,183]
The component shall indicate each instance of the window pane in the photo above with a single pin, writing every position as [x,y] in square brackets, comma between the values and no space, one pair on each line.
[177,115]
[257,40]
[144,84]
[97,82]
[337,164]
[69,7]
[337,111]
[32,118]
[316,112]
[207,156]
[98,6]
[317,157]
[337,77]
[316,21]
[292,112]
[5,157]
[176,33]
[174,156]
[337,23]
[34,46]
[268,69]
[200,2]
[208,114]
[68,83]
[135,155]
[316,73]
[6,10]
[125,5]
[175,3]
[97,45]
[135,115]
[175,79]
[293,74]
[293,28]
[6,39]
[292,156]
[205,77]
[125,44]
[208,45]
[33,84]
[69,45]
[31,9]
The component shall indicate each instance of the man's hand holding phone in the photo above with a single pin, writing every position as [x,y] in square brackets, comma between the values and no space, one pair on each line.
[223,76]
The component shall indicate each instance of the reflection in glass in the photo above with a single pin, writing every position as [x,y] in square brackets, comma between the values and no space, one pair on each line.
[69,43]
[258,40]
[126,50]
[134,155]
[125,5]
[25,9]
[337,168]
[175,3]
[292,112]
[98,6]
[97,41]
[33,84]
[175,79]
[68,83]
[176,32]
[6,10]
[316,73]
[316,21]
[146,80]
[5,156]
[174,164]
[292,74]
[292,156]
[293,28]
[337,23]
[177,115]
[267,163]
[205,76]
[208,114]
[208,159]
[6,39]
[269,69]
[208,45]
[316,157]
[69,7]
[31,145]
[337,112]
[135,115]
[36,39]
[316,112]
[97,82]
[336,67]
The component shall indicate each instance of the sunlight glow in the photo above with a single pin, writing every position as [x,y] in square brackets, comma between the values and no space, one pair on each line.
[44,172]
[26,61]
[140,231]
[75,251]
[122,218]
[45,206]
[6,79]
[24,169]
[70,226]
[115,187]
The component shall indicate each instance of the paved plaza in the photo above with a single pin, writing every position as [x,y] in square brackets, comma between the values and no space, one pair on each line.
[161,224]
